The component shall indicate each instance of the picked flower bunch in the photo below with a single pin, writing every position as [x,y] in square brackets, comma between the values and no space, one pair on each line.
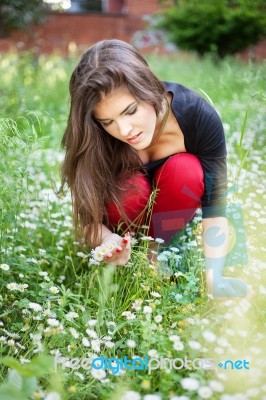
[104,251]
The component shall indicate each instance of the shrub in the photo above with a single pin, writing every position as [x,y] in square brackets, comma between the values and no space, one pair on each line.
[220,27]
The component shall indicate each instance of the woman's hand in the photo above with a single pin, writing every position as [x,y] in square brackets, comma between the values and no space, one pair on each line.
[225,288]
[121,253]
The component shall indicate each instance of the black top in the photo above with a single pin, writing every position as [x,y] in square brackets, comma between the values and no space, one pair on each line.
[204,137]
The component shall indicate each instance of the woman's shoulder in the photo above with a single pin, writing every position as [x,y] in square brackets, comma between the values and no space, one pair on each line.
[188,103]
[185,101]
[185,104]
[181,92]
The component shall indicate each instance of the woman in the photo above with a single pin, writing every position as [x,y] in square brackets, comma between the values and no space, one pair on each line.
[127,131]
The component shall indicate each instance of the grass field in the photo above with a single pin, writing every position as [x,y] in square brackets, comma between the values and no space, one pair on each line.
[56,303]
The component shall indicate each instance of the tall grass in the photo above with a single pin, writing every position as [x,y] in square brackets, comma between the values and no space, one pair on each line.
[54,302]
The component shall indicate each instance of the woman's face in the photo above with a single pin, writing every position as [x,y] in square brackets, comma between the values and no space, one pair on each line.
[126,119]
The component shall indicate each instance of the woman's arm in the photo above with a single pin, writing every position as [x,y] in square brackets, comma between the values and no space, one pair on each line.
[216,241]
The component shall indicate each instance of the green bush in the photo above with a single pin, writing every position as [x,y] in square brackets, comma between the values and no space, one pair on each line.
[220,27]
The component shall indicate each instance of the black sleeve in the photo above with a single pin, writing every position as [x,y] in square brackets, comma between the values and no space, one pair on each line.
[211,151]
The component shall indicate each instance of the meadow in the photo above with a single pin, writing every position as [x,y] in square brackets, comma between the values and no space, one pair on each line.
[56,302]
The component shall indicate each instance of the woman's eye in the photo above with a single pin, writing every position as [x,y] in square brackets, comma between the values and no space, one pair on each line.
[133,111]
[106,123]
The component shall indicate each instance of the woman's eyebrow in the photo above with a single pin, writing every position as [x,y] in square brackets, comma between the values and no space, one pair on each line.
[125,110]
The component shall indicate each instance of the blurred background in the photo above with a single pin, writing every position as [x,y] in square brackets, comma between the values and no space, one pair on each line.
[64,26]
[48,298]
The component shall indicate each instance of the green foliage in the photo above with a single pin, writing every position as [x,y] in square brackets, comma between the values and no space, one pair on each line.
[18,14]
[22,382]
[57,299]
[220,27]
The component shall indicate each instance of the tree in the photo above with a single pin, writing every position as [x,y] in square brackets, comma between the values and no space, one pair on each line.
[19,14]
[219,27]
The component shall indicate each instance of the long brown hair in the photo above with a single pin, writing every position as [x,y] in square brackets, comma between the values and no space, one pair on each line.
[94,159]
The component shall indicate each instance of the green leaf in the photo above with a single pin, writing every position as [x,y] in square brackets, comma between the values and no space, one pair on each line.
[29,385]
[15,379]
[39,366]
[11,363]
[23,303]
[243,128]
[8,392]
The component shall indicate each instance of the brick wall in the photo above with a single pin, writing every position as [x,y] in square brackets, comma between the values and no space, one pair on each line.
[256,53]
[123,19]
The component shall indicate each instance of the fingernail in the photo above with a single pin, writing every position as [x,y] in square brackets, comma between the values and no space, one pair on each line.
[118,250]
[109,255]
[125,241]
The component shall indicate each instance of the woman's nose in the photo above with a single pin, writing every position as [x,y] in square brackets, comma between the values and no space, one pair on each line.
[125,128]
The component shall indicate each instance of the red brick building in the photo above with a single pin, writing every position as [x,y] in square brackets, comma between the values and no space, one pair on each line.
[82,26]
[88,21]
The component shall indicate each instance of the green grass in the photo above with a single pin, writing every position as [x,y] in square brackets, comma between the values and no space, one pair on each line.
[38,245]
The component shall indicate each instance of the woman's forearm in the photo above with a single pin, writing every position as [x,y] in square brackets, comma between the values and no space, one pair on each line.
[103,232]
[215,241]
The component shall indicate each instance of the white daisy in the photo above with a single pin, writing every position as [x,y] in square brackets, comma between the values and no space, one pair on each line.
[95,345]
[52,322]
[22,287]
[216,386]
[147,310]
[156,294]
[205,392]
[4,267]
[109,344]
[131,395]
[174,338]
[53,396]
[209,336]
[193,344]
[24,360]
[54,289]
[158,318]
[43,273]
[148,238]
[129,315]
[153,353]
[12,286]
[190,383]
[35,307]
[152,397]
[131,343]
[91,333]
[42,252]
[92,322]
[137,304]
[178,345]
[71,315]
[74,333]
[159,240]
[81,255]
[98,373]
[85,342]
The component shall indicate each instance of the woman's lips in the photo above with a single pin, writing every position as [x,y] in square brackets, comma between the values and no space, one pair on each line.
[134,139]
